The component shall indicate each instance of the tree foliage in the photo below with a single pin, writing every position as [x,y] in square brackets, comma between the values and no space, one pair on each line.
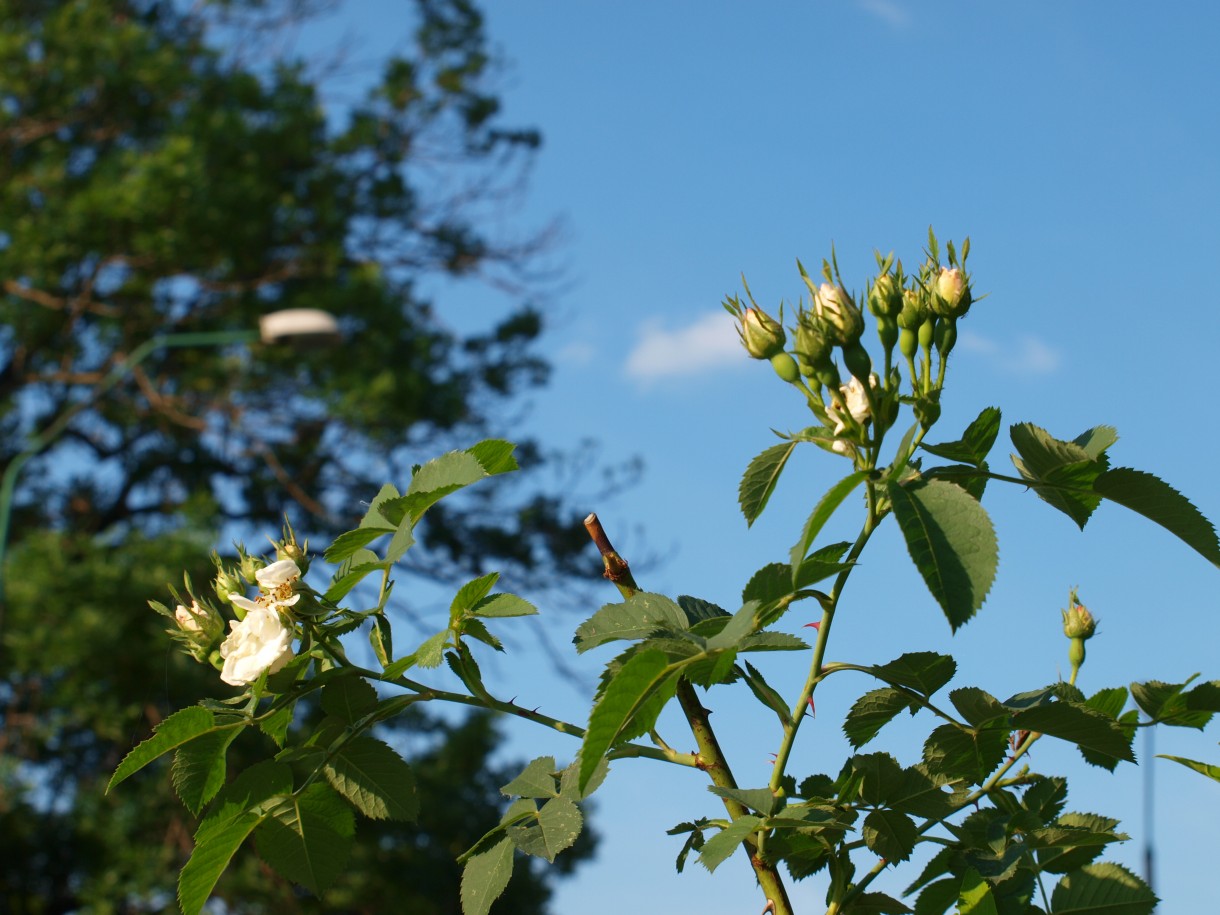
[167,168]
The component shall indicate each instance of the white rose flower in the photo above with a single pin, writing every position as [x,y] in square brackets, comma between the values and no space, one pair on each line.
[260,642]
[856,401]
[278,573]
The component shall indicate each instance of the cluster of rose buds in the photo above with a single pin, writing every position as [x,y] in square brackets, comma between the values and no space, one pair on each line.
[914,314]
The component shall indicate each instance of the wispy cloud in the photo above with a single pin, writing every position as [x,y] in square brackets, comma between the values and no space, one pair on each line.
[708,343]
[1026,355]
[890,12]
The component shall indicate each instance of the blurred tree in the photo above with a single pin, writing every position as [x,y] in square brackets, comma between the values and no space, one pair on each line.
[167,167]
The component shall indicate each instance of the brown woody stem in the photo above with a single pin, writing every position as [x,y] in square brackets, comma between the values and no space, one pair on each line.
[710,758]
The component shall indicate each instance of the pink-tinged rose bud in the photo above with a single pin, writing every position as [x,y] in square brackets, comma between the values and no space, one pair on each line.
[1078,622]
[838,314]
[762,335]
[951,294]
[190,619]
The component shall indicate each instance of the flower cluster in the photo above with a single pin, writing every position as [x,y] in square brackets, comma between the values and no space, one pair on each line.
[916,315]
[260,638]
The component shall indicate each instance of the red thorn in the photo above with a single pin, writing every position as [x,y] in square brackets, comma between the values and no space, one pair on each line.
[812,709]
[812,626]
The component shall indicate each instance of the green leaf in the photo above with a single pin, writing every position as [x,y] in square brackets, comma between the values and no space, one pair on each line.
[951,541]
[1062,473]
[209,858]
[496,456]
[757,799]
[485,877]
[873,711]
[937,897]
[760,478]
[772,641]
[429,654]
[699,611]
[739,626]
[226,826]
[501,605]
[922,795]
[880,776]
[471,593]
[180,727]
[975,896]
[958,752]
[306,837]
[349,698]
[720,846]
[640,615]
[374,779]
[536,780]
[1166,703]
[1078,724]
[890,834]
[1211,771]
[199,767]
[1073,841]
[876,904]
[555,827]
[821,514]
[1095,441]
[351,542]
[923,671]
[445,474]
[344,582]
[630,688]
[977,706]
[766,694]
[568,781]
[1159,502]
[975,443]
[770,583]
[1102,889]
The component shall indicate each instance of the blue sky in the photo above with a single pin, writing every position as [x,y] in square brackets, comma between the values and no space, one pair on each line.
[686,143]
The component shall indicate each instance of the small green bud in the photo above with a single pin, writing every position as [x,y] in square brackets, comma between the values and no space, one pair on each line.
[249,566]
[914,309]
[885,296]
[887,331]
[226,583]
[857,360]
[926,331]
[946,335]
[811,344]
[761,334]
[838,314]
[951,293]
[786,368]
[908,342]
[1078,622]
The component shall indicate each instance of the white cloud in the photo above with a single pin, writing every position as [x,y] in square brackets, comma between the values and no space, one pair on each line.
[1027,355]
[708,343]
[889,11]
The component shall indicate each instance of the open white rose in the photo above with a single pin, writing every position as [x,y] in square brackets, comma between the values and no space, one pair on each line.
[260,642]
[278,573]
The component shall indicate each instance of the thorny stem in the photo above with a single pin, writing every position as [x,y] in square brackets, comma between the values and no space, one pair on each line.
[710,758]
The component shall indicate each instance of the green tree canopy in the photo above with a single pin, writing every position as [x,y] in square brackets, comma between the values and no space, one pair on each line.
[163,172]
